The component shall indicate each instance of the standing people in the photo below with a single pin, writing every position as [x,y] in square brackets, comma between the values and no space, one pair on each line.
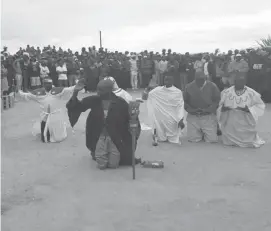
[72,69]
[44,71]
[34,74]
[162,69]
[62,74]
[26,71]
[126,73]
[134,73]
[173,69]
[147,70]
[157,60]
[237,65]
[18,74]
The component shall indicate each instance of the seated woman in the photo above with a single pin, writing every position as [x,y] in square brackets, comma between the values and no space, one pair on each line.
[238,113]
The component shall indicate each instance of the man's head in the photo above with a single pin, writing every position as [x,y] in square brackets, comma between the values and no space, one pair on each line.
[240,81]
[61,62]
[105,88]
[48,84]
[26,56]
[169,80]
[238,57]
[200,78]
[206,58]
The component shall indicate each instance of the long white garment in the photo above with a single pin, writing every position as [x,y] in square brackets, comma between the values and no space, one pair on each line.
[53,112]
[239,127]
[166,109]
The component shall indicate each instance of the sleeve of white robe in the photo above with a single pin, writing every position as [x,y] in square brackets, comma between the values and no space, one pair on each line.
[124,94]
[257,105]
[221,103]
[29,96]
[180,108]
[66,91]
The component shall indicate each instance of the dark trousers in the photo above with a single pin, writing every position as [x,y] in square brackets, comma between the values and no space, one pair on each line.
[42,127]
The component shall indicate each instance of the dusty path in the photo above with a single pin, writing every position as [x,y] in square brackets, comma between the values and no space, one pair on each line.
[203,187]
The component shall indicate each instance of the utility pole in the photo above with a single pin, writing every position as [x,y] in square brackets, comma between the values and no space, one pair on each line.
[100,39]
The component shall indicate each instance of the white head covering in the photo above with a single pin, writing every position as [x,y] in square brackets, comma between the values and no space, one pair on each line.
[27,54]
[115,86]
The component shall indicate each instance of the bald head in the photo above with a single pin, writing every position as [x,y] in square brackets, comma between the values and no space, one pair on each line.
[199,75]
[104,87]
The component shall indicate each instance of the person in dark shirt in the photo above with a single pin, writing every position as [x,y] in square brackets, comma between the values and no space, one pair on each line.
[201,100]
[107,129]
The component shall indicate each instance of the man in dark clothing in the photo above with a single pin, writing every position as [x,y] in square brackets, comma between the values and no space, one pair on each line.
[107,127]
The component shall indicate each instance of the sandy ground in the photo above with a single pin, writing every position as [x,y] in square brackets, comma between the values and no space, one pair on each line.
[203,187]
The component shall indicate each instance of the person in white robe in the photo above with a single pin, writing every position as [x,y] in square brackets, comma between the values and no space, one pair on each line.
[238,113]
[52,125]
[166,112]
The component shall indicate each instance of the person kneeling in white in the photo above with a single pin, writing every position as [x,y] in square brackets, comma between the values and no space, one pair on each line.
[238,113]
[166,111]
[52,125]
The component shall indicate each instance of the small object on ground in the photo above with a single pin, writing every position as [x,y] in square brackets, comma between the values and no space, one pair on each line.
[219,133]
[153,164]
[145,94]
[138,161]
[154,138]
[145,127]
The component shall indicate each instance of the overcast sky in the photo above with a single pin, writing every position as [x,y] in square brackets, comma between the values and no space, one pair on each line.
[136,25]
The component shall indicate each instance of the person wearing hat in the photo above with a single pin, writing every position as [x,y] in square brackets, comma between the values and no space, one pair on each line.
[237,65]
[107,128]
[239,110]
[52,125]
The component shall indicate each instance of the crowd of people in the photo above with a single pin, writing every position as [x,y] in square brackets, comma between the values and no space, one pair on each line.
[29,67]
[208,94]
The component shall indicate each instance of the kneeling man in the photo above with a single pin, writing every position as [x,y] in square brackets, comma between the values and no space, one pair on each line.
[201,100]
[166,111]
[107,128]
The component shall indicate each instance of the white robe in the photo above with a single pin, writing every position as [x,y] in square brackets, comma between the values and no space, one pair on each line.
[166,109]
[239,127]
[56,119]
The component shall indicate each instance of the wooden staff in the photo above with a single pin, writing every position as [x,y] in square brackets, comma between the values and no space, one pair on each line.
[134,112]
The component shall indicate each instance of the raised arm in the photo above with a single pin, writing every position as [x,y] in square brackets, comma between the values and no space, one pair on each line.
[29,96]
[76,107]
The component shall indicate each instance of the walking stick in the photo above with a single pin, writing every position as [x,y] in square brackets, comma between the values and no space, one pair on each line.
[134,112]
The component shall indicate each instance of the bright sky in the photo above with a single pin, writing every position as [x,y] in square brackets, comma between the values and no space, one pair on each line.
[193,26]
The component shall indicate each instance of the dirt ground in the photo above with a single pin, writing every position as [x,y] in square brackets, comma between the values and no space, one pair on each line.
[203,187]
